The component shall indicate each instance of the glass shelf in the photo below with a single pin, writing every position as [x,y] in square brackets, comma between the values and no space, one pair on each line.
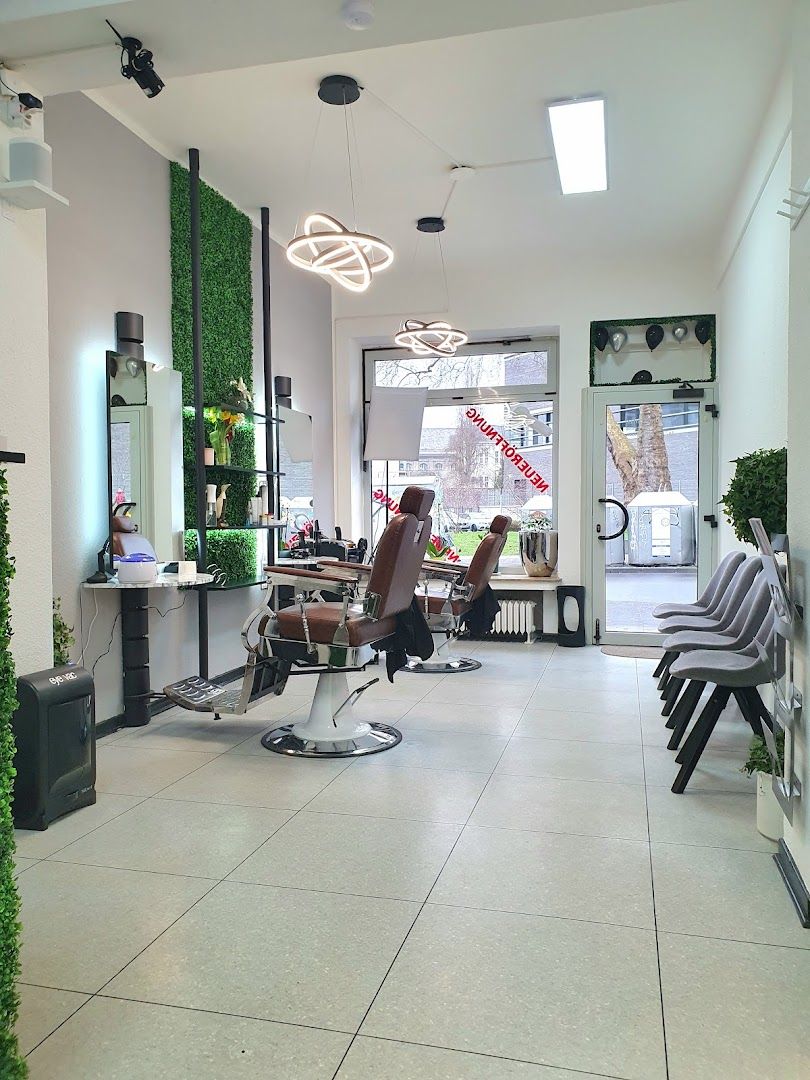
[244,528]
[238,583]
[240,469]
[261,418]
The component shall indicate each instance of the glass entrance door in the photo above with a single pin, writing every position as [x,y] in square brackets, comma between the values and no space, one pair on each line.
[652,503]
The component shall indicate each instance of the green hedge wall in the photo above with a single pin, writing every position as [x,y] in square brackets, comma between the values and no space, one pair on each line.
[12,1065]
[226,237]
[233,552]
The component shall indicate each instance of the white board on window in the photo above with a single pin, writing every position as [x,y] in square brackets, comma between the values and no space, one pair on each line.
[395,423]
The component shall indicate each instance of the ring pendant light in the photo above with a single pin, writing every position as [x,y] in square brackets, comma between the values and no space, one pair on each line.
[326,246]
[431,338]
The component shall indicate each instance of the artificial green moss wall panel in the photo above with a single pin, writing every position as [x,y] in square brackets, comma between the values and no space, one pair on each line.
[11,1064]
[226,237]
[226,288]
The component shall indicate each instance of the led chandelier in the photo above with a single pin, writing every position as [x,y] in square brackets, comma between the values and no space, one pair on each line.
[326,246]
[431,338]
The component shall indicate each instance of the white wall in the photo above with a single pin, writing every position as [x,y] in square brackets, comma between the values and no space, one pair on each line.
[556,297]
[752,325]
[25,415]
[797,837]
[110,252]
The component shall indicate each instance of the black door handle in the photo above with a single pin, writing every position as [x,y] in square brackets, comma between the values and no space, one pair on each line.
[625,523]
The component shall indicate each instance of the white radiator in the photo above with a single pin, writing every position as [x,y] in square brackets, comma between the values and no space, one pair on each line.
[514,622]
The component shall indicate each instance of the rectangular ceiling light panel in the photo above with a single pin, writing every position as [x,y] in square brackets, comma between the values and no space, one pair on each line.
[578,131]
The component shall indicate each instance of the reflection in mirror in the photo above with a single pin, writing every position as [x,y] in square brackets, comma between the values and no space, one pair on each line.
[295,485]
[144,442]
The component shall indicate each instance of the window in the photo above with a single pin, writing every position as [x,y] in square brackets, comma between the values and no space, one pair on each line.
[487,442]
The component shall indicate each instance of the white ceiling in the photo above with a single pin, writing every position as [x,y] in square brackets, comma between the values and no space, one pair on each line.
[686,84]
[194,36]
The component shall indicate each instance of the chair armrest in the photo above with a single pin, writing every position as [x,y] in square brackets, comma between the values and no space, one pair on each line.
[362,568]
[316,577]
[439,568]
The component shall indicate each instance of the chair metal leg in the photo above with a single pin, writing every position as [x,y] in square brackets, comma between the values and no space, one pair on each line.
[663,663]
[700,737]
[683,712]
[673,689]
[667,663]
[752,708]
[694,734]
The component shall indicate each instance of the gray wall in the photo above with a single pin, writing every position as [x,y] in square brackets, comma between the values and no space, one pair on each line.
[110,251]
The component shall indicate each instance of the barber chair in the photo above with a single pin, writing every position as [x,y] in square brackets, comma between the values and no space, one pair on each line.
[332,638]
[448,591]
[325,638]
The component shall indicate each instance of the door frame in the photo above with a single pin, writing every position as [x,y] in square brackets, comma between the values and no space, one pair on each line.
[594,401]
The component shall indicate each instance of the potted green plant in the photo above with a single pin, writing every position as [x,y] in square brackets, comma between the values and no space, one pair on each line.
[770,820]
[758,489]
[63,639]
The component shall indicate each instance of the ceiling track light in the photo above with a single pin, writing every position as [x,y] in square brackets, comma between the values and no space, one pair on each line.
[326,246]
[431,338]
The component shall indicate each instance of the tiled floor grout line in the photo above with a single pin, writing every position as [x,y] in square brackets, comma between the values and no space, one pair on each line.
[652,888]
[418,913]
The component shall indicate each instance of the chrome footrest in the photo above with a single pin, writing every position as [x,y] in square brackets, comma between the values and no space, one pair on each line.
[200,695]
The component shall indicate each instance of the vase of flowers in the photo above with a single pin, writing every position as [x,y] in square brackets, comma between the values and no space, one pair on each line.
[223,422]
[538,547]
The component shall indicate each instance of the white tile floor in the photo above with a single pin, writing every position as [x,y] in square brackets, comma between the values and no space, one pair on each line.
[513,893]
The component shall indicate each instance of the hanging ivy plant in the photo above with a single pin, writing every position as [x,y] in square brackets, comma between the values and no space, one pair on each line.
[758,490]
[12,1065]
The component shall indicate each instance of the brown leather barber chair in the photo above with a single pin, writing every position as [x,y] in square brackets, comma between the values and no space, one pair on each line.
[329,638]
[448,591]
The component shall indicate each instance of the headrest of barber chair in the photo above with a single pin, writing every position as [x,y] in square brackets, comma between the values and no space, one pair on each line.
[124,524]
[416,501]
[500,523]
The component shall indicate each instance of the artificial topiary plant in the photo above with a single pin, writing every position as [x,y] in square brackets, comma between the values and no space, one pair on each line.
[758,490]
[12,1065]
[63,639]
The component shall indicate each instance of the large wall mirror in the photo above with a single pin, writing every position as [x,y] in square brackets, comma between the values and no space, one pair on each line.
[295,463]
[144,446]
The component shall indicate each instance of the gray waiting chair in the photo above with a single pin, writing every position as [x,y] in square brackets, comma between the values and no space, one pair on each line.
[730,603]
[732,673]
[711,595]
[740,634]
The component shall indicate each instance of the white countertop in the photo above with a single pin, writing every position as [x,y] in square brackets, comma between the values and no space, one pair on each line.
[162,581]
[523,583]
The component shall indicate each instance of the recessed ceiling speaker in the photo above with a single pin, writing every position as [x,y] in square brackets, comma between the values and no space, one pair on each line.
[357,14]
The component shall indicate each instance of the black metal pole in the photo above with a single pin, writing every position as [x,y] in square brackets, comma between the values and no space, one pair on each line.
[270,432]
[199,419]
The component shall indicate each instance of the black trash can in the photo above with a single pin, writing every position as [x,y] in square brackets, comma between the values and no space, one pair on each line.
[55,733]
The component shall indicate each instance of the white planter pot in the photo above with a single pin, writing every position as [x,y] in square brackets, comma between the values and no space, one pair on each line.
[770,820]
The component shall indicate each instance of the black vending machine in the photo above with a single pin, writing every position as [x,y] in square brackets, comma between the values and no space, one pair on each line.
[55,734]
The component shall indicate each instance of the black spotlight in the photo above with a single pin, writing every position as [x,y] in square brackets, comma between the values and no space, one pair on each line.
[139,64]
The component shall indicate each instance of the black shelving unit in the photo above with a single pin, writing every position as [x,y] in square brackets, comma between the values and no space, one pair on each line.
[264,418]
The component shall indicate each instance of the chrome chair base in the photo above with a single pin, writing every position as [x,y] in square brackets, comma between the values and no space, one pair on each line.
[379,737]
[447,666]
